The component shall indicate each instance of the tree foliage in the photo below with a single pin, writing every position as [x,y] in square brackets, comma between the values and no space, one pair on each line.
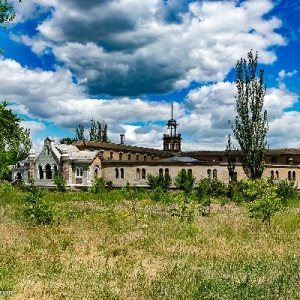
[15,141]
[185,181]
[250,126]
[6,12]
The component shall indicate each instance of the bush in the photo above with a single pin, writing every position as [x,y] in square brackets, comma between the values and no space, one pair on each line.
[159,195]
[159,181]
[98,185]
[208,187]
[40,211]
[266,205]
[60,183]
[185,181]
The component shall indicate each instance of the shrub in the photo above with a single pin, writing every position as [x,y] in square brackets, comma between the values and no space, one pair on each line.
[60,183]
[159,195]
[159,181]
[40,211]
[211,188]
[266,205]
[185,181]
[98,185]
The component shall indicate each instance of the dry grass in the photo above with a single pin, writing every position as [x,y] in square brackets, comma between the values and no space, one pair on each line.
[137,250]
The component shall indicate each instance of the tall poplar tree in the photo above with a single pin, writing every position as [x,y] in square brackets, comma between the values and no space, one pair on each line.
[250,126]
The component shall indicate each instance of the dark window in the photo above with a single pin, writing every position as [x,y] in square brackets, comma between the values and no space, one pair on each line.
[111,155]
[143,173]
[41,173]
[117,173]
[209,173]
[167,172]
[161,172]
[138,173]
[129,156]
[145,157]
[215,173]
[48,172]
[120,155]
[122,173]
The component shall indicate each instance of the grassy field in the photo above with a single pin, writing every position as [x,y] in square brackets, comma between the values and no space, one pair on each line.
[106,247]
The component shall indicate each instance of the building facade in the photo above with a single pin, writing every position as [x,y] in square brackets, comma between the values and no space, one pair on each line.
[81,162]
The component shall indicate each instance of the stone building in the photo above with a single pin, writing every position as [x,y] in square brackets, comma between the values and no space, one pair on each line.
[120,163]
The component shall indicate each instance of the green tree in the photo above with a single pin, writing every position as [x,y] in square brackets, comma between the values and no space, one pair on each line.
[104,134]
[6,12]
[185,181]
[15,141]
[250,126]
[79,133]
[93,131]
[67,140]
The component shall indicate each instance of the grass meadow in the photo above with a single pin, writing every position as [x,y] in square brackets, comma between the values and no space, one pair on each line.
[106,247]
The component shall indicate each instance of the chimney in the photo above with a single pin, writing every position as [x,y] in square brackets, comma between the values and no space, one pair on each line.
[122,138]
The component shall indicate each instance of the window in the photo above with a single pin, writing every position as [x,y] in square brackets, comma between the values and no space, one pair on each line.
[129,156]
[272,174]
[289,175]
[79,172]
[143,173]
[111,155]
[122,173]
[277,175]
[220,158]
[55,170]
[41,173]
[190,172]
[209,173]
[47,150]
[48,171]
[117,173]
[294,175]
[161,172]
[152,157]
[167,172]
[137,156]
[97,171]
[215,173]
[120,155]
[138,173]
[145,157]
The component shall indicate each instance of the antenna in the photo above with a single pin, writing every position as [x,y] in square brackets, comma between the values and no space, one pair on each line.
[172,110]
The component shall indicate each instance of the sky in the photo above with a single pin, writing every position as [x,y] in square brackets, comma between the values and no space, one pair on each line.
[123,62]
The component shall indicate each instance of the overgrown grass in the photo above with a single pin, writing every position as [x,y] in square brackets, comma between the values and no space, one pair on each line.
[122,245]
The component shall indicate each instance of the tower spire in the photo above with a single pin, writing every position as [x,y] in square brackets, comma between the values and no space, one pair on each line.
[172,140]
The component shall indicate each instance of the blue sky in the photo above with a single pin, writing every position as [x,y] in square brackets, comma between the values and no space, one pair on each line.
[123,62]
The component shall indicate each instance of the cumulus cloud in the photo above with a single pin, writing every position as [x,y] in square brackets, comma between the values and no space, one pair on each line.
[110,54]
[133,47]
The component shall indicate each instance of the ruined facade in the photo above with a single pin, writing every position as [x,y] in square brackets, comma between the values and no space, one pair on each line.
[81,162]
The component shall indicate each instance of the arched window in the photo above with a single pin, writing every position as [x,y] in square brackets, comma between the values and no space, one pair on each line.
[122,173]
[117,173]
[97,171]
[277,175]
[215,173]
[138,173]
[209,173]
[145,157]
[294,175]
[161,172]
[79,172]
[289,175]
[167,172]
[55,170]
[129,156]
[120,155]
[272,174]
[41,173]
[143,173]
[19,176]
[190,172]
[48,171]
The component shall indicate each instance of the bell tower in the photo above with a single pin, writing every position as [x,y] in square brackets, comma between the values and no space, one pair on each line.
[172,139]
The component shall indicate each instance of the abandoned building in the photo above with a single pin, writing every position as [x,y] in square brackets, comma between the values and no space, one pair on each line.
[81,162]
